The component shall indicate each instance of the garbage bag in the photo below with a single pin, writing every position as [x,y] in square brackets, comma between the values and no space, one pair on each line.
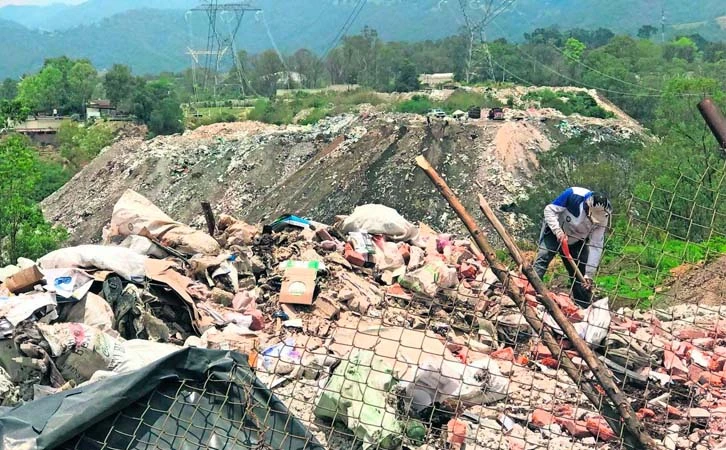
[379,219]
[356,394]
[134,214]
[191,399]
[143,246]
[123,261]
[429,278]
[93,311]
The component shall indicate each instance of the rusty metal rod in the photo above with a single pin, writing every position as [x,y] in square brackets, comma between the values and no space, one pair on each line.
[714,119]
[631,439]
[209,218]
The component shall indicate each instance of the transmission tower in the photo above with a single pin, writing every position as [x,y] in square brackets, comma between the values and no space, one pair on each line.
[220,51]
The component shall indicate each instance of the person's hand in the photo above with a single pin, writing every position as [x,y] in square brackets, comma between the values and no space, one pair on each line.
[589,284]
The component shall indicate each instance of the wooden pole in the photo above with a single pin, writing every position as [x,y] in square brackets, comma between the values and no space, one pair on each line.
[209,217]
[635,437]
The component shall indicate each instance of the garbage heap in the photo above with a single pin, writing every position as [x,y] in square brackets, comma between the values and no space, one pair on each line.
[371,330]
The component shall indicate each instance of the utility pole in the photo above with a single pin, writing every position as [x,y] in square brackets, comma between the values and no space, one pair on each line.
[662,23]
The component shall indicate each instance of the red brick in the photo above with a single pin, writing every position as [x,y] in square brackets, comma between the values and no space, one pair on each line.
[505,354]
[550,362]
[717,364]
[405,251]
[353,257]
[577,428]
[691,333]
[704,343]
[673,363]
[542,418]
[674,412]
[457,431]
[644,413]
[541,351]
[711,379]
[468,270]
[600,429]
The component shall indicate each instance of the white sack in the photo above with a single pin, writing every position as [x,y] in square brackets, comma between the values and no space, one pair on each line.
[136,215]
[379,219]
[122,261]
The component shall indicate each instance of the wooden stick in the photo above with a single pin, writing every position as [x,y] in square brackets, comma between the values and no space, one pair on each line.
[209,217]
[636,438]
[598,369]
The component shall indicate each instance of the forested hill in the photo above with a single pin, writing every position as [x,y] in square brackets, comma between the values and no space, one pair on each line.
[155,40]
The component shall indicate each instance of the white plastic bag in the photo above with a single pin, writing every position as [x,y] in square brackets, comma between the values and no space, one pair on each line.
[122,261]
[379,219]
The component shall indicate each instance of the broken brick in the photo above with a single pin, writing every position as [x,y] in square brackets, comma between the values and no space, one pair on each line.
[506,354]
[704,343]
[541,351]
[600,428]
[550,362]
[456,432]
[672,363]
[674,412]
[690,333]
[353,257]
[576,428]
[542,418]
[644,413]
[717,364]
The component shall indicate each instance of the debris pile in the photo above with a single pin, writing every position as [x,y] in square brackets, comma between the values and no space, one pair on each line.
[397,333]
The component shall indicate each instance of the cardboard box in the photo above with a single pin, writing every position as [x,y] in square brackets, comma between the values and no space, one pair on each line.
[298,286]
[24,281]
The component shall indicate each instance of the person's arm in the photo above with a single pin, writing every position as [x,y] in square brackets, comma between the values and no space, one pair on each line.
[552,213]
[595,248]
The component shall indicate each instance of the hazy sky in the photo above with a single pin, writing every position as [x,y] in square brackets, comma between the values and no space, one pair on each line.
[36,2]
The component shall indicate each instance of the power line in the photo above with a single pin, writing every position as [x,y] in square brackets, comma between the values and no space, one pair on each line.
[592,68]
[346,26]
[629,94]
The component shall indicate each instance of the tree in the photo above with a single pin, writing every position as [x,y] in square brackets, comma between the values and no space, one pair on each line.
[44,91]
[167,117]
[82,80]
[23,230]
[574,50]
[8,89]
[309,66]
[647,31]
[683,48]
[119,84]
[12,111]
[407,78]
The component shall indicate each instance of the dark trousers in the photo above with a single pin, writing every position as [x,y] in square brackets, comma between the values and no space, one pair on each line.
[549,246]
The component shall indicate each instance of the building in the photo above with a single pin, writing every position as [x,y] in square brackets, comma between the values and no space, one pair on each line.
[433,80]
[100,108]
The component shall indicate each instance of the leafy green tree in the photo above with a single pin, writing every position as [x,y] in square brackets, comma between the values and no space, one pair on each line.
[119,84]
[80,144]
[167,118]
[574,50]
[8,89]
[82,80]
[683,48]
[44,91]
[647,31]
[407,78]
[23,230]
[12,111]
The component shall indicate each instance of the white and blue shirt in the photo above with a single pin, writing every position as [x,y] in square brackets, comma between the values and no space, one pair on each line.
[566,215]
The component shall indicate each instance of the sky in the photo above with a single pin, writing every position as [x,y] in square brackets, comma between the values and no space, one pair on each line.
[36,2]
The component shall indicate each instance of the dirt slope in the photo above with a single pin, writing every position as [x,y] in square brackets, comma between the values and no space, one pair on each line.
[258,171]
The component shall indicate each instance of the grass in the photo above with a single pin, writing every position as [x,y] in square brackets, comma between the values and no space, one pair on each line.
[283,110]
[568,103]
[632,274]
[459,100]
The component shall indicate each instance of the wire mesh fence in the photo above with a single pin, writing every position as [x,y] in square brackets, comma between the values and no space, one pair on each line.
[452,358]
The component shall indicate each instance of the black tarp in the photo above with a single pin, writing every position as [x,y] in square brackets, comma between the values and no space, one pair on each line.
[191,399]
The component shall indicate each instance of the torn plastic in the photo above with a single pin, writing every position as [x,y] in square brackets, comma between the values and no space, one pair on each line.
[191,399]
[69,284]
[14,310]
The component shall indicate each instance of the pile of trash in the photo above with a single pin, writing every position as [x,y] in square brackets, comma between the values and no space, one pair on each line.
[370,330]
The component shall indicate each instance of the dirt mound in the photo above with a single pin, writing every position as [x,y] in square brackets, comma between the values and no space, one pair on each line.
[704,285]
[257,171]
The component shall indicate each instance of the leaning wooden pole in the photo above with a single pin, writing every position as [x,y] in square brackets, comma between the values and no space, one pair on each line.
[635,435]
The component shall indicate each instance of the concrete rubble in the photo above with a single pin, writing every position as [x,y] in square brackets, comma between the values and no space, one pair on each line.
[403,337]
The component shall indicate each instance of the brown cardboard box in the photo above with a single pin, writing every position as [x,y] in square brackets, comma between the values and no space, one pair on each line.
[24,281]
[298,286]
